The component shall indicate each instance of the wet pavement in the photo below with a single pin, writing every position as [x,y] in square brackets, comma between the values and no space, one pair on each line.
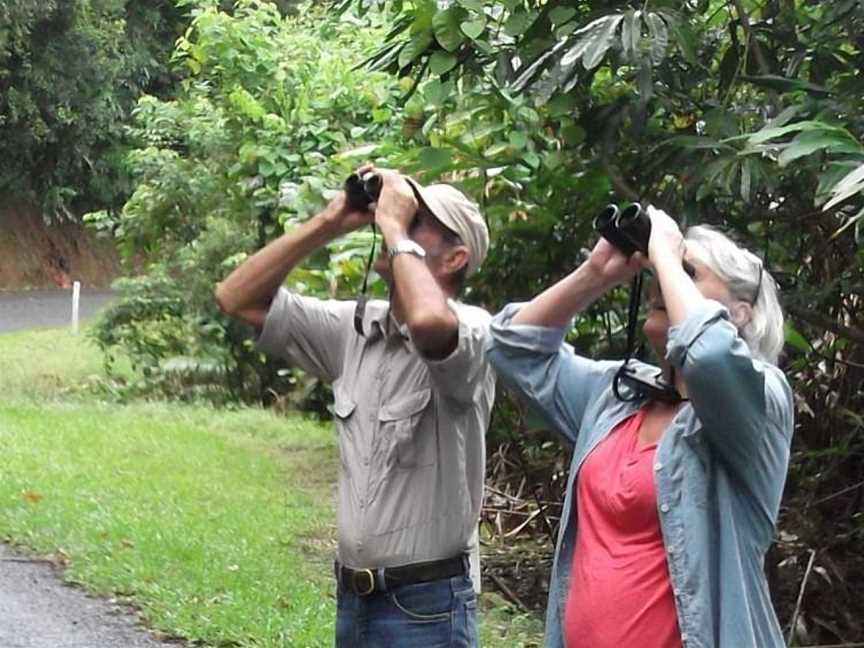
[38,611]
[29,309]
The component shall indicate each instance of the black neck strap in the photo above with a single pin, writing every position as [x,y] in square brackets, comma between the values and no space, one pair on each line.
[640,384]
[633,315]
[360,309]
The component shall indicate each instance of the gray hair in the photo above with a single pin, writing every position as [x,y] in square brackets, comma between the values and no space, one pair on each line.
[747,280]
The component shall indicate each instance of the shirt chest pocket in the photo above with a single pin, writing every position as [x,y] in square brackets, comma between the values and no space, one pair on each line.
[412,436]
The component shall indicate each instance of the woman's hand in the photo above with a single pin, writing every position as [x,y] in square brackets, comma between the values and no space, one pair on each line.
[610,266]
[666,239]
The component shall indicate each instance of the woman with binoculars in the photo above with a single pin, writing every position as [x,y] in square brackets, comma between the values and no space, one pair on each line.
[671,502]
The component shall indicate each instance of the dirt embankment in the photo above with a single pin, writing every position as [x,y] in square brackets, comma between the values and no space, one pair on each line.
[36,255]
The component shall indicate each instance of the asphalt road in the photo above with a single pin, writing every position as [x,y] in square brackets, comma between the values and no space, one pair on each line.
[47,308]
[37,611]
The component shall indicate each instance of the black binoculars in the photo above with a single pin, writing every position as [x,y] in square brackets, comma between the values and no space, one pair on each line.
[628,230]
[361,191]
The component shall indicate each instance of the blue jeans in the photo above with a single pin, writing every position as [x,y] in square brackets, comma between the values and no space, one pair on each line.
[437,614]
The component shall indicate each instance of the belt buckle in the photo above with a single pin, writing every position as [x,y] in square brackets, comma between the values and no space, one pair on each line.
[368,574]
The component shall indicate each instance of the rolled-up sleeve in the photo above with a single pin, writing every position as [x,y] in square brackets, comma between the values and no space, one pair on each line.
[307,332]
[745,405]
[465,370]
[537,363]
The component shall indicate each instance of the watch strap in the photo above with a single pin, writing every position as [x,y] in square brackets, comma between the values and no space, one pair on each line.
[407,246]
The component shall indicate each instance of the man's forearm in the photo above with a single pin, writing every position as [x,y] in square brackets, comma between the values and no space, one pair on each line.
[248,291]
[423,303]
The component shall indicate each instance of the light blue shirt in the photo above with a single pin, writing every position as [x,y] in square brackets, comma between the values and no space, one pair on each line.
[719,468]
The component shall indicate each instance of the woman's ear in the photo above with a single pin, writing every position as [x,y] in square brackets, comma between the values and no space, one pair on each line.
[742,314]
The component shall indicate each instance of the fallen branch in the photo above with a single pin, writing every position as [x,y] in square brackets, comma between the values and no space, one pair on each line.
[833,495]
[507,592]
[525,523]
[800,597]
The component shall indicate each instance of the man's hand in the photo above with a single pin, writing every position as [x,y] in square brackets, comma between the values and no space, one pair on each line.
[396,205]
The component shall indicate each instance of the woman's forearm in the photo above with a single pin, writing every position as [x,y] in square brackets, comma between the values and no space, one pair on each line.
[680,294]
[557,305]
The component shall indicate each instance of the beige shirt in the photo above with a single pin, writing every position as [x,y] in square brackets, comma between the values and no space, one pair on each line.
[411,430]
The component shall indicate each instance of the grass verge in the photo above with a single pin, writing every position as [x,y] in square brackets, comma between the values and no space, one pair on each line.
[216,534]
[46,365]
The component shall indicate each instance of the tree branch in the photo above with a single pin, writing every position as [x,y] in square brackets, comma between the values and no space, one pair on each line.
[851,333]
[619,182]
[761,61]
[744,19]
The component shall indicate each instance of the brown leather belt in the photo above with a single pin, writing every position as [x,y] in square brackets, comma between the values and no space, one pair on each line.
[364,582]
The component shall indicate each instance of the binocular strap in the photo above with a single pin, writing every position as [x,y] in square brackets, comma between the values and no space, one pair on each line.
[652,387]
[360,309]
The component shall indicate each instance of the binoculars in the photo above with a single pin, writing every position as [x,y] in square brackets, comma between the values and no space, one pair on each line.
[628,230]
[361,191]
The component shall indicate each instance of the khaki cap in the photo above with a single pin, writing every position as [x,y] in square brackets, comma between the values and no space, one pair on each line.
[457,213]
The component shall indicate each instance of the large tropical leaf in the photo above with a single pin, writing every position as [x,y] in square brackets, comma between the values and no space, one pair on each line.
[445,24]
[809,142]
[849,186]
[659,38]
[594,40]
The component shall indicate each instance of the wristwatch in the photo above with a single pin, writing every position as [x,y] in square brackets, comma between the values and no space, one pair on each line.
[407,246]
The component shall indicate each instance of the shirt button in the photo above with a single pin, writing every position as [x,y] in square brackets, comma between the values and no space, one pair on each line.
[684,636]
[664,508]
[658,466]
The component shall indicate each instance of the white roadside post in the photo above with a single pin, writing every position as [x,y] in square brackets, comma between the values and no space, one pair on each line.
[76,298]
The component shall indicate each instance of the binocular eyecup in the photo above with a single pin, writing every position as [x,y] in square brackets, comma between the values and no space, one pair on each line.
[361,191]
[628,230]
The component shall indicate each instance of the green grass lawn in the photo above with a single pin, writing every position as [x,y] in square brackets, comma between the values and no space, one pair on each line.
[217,525]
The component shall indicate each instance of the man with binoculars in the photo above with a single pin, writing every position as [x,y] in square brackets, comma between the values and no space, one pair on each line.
[412,393]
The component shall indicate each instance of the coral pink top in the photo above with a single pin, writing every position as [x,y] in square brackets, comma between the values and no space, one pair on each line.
[620,593]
